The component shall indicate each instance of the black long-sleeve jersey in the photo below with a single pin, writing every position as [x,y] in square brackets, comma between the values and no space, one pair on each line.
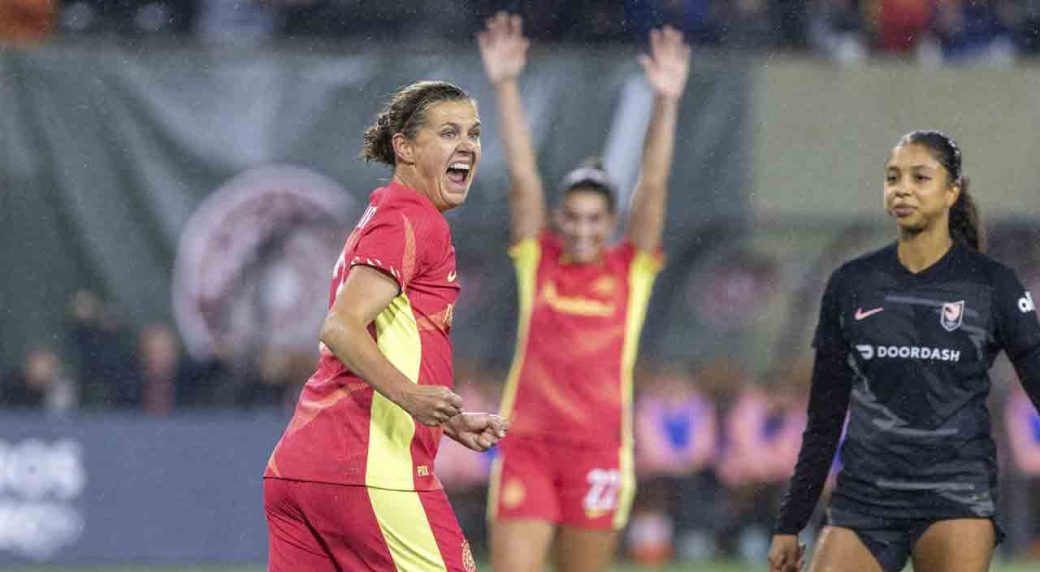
[907,355]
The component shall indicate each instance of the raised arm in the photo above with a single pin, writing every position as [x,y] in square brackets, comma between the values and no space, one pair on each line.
[503,49]
[667,67]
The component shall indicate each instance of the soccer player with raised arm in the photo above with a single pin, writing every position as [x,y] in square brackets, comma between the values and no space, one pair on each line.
[565,474]
[905,339]
[351,484]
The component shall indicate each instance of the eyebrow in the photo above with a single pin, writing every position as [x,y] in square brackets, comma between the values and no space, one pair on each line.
[912,167]
[456,124]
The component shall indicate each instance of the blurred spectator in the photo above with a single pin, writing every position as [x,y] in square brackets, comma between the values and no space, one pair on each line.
[692,17]
[745,24]
[543,19]
[238,21]
[1023,429]
[26,21]
[902,24]
[1026,16]
[167,378]
[836,30]
[791,21]
[675,426]
[105,366]
[786,420]
[744,514]
[676,435]
[402,20]
[746,431]
[761,434]
[275,379]
[157,363]
[128,18]
[973,30]
[39,384]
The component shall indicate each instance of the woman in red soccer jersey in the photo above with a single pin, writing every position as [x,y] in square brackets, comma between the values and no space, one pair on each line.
[566,472]
[351,486]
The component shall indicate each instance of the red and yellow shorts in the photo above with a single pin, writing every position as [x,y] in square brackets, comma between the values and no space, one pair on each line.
[317,527]
[573,485]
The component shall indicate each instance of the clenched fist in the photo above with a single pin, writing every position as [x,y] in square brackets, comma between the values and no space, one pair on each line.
[430,404]
[476,431]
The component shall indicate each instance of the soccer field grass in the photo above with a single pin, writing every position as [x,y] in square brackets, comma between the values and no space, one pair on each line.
[685,567]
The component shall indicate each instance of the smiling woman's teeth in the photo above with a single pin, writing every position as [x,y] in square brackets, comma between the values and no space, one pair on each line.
[458,172]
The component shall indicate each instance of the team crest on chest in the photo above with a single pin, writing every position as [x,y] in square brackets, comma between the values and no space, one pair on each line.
[951,315]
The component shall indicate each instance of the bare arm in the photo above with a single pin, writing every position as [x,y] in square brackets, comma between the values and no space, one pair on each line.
[503,49]
[365,293]
[666,67]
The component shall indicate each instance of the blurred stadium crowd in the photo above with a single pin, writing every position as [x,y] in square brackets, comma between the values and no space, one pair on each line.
[846,30]
[715,444]
[145,370]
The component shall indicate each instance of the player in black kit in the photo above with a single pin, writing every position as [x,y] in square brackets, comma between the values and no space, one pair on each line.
[905,339]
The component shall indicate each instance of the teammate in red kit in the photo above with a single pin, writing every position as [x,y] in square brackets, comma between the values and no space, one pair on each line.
[566,472]
[351,484]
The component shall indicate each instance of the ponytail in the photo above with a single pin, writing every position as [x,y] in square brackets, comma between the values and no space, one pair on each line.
[965,226]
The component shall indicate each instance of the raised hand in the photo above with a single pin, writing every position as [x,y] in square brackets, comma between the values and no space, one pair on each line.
[476,431]
[668,63]
[430,404]
[503,47]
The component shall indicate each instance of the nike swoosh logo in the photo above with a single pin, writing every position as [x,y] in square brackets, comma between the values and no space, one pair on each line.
[451,276]
[861,315]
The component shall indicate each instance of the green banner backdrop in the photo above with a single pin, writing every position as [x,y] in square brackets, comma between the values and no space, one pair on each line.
[107,151]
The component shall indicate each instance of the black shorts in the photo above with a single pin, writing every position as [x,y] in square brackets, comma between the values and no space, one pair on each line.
[890,540]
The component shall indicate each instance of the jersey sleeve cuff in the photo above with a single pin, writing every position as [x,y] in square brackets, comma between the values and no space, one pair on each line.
[381,266]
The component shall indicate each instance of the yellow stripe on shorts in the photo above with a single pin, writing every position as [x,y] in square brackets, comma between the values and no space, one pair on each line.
[406,530]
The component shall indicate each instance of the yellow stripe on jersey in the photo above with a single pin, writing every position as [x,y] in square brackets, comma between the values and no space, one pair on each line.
[406,530]
[641,274]
[525,254]
[390,428]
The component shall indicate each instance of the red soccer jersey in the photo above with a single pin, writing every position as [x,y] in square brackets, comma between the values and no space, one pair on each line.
[342,430]
[579,326]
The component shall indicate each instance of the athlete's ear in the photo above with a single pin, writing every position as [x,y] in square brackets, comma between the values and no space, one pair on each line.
[404,148]
[953,192]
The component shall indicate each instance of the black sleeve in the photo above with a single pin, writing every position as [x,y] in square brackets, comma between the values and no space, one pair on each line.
[828,403]
[1018,331]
